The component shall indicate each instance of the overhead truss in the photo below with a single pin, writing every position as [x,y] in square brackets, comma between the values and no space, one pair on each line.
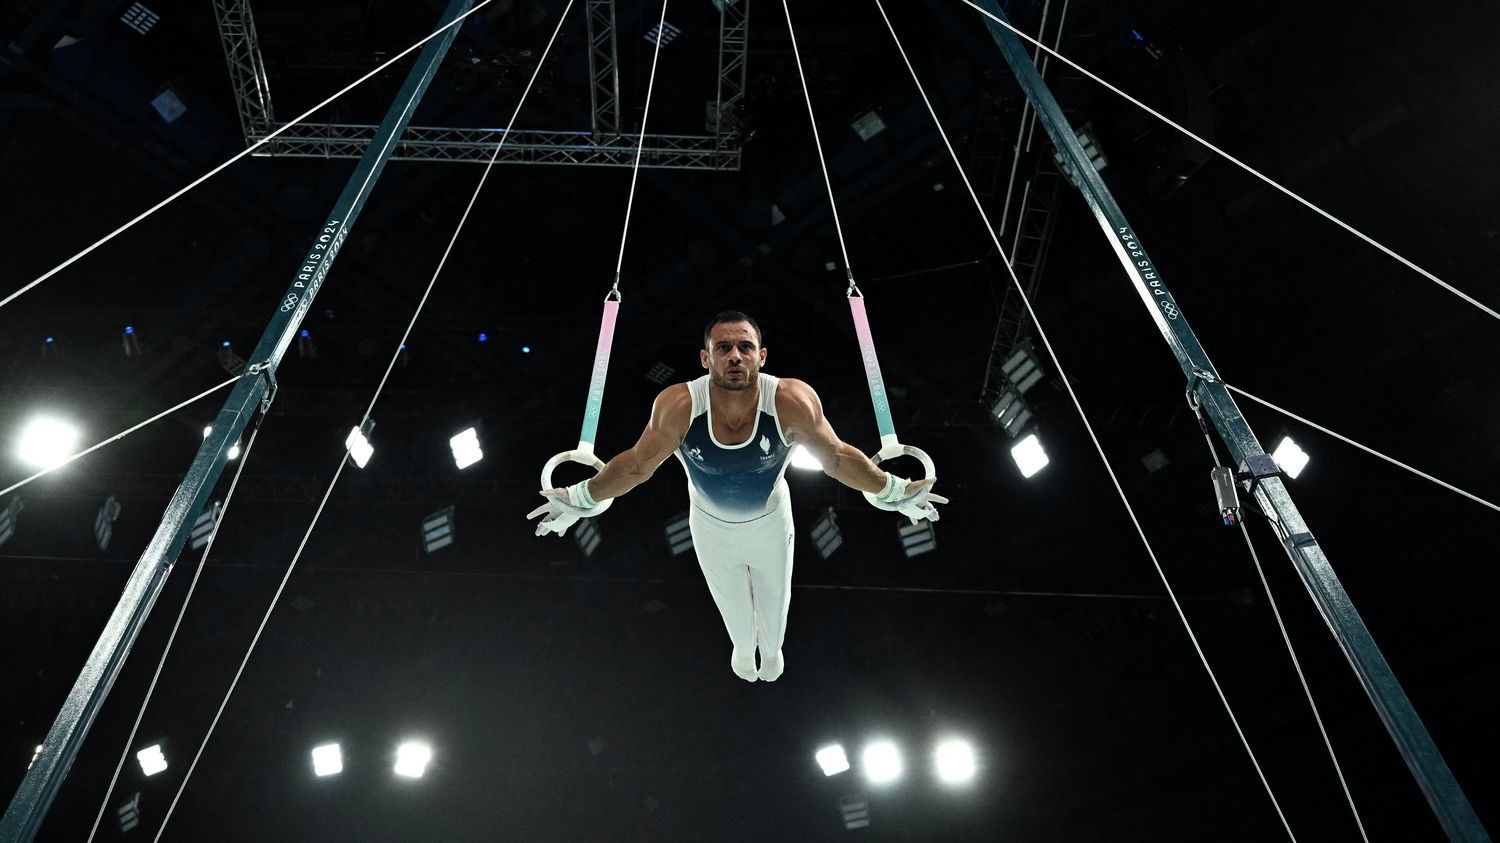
[602,145]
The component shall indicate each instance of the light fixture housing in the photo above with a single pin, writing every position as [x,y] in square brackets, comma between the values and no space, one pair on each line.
[1029,455]
[152,760]
[47,442]
[881,761]
[465,447]
[359,447]
[328,760]
[1290,457]
[412,758]
[832,759]
[955,762]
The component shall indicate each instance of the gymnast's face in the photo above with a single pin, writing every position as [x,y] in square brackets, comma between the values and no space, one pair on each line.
[733,357]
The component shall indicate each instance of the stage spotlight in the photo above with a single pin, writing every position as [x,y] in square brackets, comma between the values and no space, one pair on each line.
[131,341]
[868,125]
[234,451]
[412,758]
[483,337]
[327,760]
[856,810]
[1010,412]
[1029,456]
[1021,368]
[306,348]
[104,522]
[47,442]
[8,517]
[152,760]
[801,458]
[660,373]
[525,349]
[466,450]
[833,760]
[882,762]
[826,535]
[586,534]
[438,530]
[918,538]
[1290,458]
[955,761]
[679,534]
[358,445]
[203,527]
[129,812]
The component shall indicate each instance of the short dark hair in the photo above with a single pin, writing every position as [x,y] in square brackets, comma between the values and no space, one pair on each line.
[733,316]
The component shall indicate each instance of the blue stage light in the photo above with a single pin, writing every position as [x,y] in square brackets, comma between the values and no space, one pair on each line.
[225,344]
[484,337]
[302,333]
[525,349]
[49,339]
[129,329]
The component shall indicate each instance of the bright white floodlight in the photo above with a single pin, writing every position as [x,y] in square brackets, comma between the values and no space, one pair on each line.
[1029,456]
[466,449]
[47,442]
[1290,458]
[955,761]
[882,762]
[803,459]
[833,760]
[412,758]
[327,760]
[152,760]
[360,449]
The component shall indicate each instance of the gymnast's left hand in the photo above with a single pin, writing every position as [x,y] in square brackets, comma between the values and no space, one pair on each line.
[554,519]
[927,509]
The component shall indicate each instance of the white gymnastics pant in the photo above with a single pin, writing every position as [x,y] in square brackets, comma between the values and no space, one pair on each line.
[749,572]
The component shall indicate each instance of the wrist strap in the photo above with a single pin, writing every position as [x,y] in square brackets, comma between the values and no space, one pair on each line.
[578,495]
[895,489]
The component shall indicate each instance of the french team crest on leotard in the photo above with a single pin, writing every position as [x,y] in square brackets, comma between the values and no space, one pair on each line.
[765,444]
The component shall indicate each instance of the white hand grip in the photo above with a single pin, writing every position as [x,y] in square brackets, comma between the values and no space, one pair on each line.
[582,457]
[928,469]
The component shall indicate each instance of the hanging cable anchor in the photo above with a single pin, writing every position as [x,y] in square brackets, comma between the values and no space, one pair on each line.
[269,371]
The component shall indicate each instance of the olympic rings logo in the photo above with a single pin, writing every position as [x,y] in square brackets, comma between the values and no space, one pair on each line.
[1170,309]
[289,302]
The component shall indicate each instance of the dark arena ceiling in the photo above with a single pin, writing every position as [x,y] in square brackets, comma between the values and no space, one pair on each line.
[567,695]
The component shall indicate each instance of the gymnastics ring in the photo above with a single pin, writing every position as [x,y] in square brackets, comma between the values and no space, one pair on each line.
[582,456]
[892,451]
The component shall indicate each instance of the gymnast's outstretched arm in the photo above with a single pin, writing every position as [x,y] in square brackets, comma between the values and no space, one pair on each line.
[802,420]
[670,415]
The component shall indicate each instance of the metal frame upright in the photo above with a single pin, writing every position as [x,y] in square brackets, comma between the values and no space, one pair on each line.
[252,394]
[1206,389]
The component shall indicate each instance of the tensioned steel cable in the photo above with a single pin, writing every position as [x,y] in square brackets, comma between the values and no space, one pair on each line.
[1409,264]
[176,625]
[1115,480]
[1342,438]
[121,435]
[1286,638]
[641,144]
[248,150]
[344,460]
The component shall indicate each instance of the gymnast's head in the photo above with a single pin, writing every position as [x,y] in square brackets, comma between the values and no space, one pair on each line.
[732,351]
